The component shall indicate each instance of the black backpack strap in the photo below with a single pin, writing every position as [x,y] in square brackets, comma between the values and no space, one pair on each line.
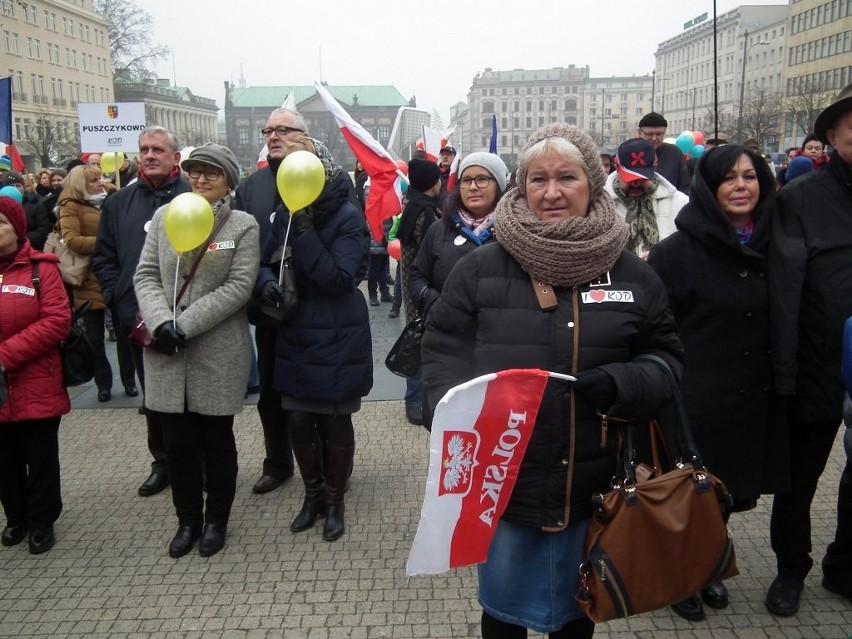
[36,280]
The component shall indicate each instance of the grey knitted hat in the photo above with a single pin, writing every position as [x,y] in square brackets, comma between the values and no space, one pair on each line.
[218,156]
[578,138]
[491,163]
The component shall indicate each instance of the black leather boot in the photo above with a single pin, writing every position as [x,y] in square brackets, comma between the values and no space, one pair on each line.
[339,467]
[309,459]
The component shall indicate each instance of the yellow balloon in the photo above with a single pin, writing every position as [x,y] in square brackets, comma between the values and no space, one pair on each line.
[300,179]
[188,220]
[111,162]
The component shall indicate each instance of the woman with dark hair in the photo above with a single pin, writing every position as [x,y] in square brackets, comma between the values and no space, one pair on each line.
[467,223]
[813,148]
[528,300]
[714,270]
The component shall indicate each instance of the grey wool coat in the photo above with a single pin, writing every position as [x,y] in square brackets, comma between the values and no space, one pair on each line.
[209,377]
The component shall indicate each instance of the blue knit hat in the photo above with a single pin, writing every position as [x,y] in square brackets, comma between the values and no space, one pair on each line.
[798,166]
[5,163]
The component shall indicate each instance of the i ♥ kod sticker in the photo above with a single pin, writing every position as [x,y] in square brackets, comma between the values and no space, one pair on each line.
[599,296]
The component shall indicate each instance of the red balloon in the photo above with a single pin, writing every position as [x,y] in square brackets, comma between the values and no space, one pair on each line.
[402,166]
[394,249]
[699,137]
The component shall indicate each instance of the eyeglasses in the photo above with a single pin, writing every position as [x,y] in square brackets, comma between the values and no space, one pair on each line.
[481,181]
[658,135]
[210,175]
[280,130]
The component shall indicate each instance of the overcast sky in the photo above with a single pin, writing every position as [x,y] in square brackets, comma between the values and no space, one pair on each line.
[430,48]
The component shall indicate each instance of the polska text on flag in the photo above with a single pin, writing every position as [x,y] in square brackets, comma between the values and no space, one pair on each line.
[384,200]
[480,432]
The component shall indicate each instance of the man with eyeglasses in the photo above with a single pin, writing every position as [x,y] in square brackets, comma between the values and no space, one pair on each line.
[670,161]
[258,195]
[125,217]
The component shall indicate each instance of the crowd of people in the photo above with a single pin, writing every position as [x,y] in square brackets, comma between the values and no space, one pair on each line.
[739,279]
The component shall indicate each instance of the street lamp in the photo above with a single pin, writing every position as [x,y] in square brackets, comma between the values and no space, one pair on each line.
[687,94]
[746,48]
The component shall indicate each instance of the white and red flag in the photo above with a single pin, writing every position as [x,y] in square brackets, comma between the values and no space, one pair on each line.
[454,170]
[384,201]
[431,142]
[480,433]
[289,104]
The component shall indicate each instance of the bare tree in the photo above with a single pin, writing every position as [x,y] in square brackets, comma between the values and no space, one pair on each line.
[762,114]
[130,45]
[727,124]
[52,139]
[804,103]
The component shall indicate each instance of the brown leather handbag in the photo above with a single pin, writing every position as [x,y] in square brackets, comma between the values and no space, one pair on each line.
[655,541]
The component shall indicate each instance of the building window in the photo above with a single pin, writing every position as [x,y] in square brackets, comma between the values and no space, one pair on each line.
[10,42]
[243,136]
[34,48]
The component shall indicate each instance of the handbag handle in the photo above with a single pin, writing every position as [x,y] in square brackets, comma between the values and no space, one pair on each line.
[686,441]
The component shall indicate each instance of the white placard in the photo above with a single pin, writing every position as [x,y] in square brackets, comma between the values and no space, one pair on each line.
[111,126]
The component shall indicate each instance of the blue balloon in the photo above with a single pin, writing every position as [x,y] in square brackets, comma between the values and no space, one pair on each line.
[403,186]
[12,192]
[684,143]
[697,151]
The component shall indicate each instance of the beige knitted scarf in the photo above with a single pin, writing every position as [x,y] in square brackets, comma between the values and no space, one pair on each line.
[565,253]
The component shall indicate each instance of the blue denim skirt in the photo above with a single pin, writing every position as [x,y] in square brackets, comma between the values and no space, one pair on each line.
[530,577]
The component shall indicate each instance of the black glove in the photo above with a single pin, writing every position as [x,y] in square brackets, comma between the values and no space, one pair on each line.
[272,293]
[597,388]
[170,339]
[301,222]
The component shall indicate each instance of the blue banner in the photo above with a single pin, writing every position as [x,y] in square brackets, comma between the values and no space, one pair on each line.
[492,148]
[6,110]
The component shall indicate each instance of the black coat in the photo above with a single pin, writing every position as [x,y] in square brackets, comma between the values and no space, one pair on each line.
[672,166]
[258,195]
[437,256]
[121,235]
[325,351]
[488,319]
[419,214]
[810,266]
[38,220]
[719,292]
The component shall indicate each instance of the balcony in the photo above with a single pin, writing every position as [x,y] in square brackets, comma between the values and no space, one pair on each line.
[60,102]
[19,97]
[40,99]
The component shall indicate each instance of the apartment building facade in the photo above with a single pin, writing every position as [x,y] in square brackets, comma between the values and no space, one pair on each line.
[57,55]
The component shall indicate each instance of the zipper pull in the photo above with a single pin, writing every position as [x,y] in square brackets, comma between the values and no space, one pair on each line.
[604,430]
[603,569]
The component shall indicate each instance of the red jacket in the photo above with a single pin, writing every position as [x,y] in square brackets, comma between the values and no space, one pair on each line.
[31,326]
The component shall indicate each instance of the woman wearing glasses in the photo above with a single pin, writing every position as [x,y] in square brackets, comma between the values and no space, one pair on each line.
[466,225]
[196,377]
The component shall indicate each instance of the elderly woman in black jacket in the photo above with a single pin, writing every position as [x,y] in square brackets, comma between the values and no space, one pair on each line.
[323,356]
[557,291]
[714,270]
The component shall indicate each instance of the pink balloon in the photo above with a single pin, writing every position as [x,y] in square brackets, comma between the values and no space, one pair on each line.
[699,137]
[394,249]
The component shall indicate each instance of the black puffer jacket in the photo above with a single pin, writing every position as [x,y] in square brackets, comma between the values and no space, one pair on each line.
[325,351]
[488,319]
[38,220]
[420,212]
[443,245]
[121,235]
[718,290]
[258,195]
[672,166]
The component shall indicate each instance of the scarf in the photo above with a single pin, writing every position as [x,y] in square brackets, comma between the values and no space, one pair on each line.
[642,231]
[565,253]
[478,227]
[96,200]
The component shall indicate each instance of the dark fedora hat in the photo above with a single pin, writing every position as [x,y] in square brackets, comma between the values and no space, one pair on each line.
[825,120]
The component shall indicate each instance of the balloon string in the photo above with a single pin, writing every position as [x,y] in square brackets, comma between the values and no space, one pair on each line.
[174,292]
[284,251]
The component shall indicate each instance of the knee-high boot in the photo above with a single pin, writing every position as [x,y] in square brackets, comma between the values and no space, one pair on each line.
[309,459]
[339,465]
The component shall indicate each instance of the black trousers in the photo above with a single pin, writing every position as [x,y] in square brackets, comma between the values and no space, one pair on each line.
[273,418]
[790,526]
[191,438]
[94,323]
[29,472]
[155,428]
[124,354]
[837,564]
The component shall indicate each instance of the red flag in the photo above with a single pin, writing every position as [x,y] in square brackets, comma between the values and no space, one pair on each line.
[17,161]
[431,143]
[480,433]
[383,201]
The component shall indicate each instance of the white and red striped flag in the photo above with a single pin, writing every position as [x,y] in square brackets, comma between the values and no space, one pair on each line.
[384,200]
[454,170]
[431,142]
[480,433]
[289,104]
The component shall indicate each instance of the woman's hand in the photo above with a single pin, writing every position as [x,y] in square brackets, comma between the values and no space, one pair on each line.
[273,294]
[170,339]
[597,388]
[302,221]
